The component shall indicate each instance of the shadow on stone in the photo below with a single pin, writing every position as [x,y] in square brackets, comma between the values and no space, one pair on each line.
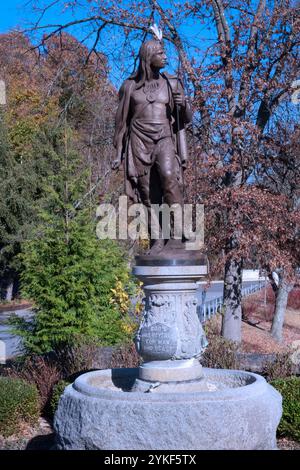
[124,378]
[42,442]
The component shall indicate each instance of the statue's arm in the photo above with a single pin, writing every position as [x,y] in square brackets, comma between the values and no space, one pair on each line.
[185,108]
[180,100]
[121,117]
[182,114]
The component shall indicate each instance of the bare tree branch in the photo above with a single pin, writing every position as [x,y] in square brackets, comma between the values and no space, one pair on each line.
[251,60]
[186,65]
[226,53]
[93,48]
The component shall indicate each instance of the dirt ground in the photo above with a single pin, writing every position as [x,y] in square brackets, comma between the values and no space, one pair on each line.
[258,339]
[40,437]
[14,305]
[258,310]
[287,444]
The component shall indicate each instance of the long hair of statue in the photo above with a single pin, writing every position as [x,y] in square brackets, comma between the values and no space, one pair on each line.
[143,72]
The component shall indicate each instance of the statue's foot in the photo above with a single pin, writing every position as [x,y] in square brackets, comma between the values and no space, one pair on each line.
[157,247]
[174,244]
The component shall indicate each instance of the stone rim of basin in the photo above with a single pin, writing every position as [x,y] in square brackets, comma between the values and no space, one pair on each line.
[236,385]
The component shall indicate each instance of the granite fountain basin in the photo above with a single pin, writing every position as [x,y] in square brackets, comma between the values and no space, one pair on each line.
[225,409]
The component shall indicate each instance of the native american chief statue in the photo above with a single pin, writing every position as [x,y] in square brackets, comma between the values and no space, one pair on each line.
[150,136]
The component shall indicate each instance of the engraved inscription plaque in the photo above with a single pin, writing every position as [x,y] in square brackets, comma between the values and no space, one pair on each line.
[158,342]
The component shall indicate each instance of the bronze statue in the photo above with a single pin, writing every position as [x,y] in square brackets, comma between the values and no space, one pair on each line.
[150,136]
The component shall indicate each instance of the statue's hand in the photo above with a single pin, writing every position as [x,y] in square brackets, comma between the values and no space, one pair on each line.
[178,98]
[116,162]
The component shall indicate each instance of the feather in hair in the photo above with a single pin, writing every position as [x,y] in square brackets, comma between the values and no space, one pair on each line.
[157,32]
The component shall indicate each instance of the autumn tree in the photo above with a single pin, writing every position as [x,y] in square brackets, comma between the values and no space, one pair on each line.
[78,79]
[282,176]
[42,92]
[240,59]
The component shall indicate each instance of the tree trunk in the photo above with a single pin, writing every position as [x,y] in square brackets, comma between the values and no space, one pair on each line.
[232,318]
[281,298]
[9,291]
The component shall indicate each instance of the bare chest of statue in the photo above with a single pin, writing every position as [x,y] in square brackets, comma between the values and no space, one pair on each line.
[150,102]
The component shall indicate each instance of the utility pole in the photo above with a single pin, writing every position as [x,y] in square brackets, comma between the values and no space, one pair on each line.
[9,289]
[2,93]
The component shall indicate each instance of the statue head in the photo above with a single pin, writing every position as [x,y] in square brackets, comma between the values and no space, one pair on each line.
[151,55]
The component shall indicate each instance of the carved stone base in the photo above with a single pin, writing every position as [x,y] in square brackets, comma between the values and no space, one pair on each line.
[170,371]
[170,338]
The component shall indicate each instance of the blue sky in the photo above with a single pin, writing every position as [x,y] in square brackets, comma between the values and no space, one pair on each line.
[13,14]
[18,13]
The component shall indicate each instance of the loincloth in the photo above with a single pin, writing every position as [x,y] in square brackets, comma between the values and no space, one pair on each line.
[143,138]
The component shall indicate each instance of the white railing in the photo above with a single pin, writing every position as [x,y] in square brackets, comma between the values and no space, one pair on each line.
[206,309]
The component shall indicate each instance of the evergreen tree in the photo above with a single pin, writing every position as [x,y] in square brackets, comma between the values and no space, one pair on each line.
[67,271]
[22,185]
[17,184]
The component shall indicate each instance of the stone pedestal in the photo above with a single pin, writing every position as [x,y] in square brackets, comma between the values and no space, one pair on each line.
[170,338]
[170,402]
[223,410]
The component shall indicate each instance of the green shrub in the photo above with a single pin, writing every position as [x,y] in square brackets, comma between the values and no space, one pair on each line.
[58,390]
[220,352]
[279,368]
[76,356]
[72,285]
[290,422]
[39,371]
[19,403]
[125,356]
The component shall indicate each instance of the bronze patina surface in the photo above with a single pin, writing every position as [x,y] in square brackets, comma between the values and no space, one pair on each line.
[150,138]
